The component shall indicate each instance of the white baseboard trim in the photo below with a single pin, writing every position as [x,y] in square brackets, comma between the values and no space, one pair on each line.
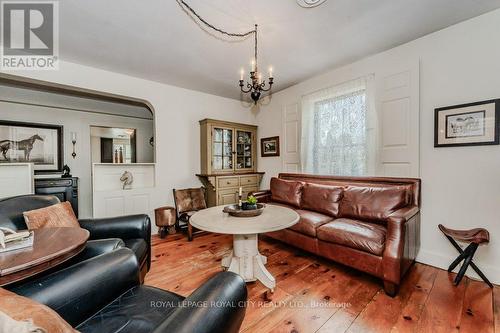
[443,261]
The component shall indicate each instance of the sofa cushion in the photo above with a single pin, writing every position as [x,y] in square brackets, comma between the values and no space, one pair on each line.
[139,246]
[309,222]
[127,314]
[364,236]
[322,198]
[372,203]
[286,191]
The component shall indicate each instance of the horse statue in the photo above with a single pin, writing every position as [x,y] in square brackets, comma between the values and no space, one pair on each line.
[127,179]
[24,145]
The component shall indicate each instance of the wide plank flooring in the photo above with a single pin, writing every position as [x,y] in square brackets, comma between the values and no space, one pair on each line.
[317,295]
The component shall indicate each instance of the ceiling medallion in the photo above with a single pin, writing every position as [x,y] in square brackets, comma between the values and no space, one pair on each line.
[257,85]
[310,3]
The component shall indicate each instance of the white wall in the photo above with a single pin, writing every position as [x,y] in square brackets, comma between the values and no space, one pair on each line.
[80,122]
[461,185]
[177,112]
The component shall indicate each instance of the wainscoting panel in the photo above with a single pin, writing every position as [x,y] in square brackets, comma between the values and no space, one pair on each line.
[111,199]
[16,179]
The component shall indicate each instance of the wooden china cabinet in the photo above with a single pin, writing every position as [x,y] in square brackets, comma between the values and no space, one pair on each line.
[228,160]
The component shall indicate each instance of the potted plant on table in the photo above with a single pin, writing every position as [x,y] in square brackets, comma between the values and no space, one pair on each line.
[250,204]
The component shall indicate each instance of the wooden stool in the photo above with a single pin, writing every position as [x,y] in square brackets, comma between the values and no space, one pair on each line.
[474,237]
[165,220]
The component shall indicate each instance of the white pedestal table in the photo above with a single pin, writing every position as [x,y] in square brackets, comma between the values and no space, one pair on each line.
[245,258]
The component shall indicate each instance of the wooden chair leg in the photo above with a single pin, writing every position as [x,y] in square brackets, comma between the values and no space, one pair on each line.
[470,250]
[190,232]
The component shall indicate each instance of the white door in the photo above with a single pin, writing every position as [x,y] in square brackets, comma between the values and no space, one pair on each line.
[291,138]
[397,96]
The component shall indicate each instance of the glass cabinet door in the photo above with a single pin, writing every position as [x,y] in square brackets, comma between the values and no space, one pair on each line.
[222,149]
[244,150]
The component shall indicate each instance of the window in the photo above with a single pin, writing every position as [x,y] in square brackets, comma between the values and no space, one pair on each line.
[337,130]
[339,145]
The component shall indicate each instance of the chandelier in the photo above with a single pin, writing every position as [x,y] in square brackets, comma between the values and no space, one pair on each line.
[256,86]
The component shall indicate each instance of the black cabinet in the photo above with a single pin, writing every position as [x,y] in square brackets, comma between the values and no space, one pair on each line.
[66,189]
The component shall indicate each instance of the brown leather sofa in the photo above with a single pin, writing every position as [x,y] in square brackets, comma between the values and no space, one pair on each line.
[368,223]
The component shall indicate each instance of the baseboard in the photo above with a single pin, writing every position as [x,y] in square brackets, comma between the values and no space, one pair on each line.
[443,261]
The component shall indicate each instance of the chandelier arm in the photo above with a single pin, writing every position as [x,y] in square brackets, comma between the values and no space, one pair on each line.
[246,91]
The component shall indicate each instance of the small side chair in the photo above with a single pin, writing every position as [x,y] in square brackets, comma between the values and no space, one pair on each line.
[187,202]
[475,237]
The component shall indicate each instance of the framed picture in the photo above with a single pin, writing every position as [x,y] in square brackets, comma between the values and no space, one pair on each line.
[270,146]
[471,124]
[36,143]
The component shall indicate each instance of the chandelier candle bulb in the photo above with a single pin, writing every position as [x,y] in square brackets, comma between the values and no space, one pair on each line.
[242,73]
[270,72]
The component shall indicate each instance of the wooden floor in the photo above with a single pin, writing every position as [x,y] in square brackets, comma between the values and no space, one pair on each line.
[316,295]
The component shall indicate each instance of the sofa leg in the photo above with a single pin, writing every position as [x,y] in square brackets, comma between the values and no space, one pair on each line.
[391,288]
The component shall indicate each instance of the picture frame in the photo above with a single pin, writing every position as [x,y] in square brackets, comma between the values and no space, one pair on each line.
[472,124]
[270,146]
[40,144]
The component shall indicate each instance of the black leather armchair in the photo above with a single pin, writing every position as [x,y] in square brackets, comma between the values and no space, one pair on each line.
[106,235]
[104,295]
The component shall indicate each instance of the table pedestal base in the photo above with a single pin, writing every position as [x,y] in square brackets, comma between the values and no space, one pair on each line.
[246,261]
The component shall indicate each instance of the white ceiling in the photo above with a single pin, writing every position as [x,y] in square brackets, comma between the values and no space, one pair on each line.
[156,40]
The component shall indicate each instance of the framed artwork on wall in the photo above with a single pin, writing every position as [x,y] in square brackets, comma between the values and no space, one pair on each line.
[270,146]
[472,124]
[40,144]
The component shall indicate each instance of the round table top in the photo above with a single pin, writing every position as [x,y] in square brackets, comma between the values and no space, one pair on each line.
[51,246]
[273,218]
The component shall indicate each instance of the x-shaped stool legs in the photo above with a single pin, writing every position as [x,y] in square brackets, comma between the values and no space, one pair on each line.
[466,255]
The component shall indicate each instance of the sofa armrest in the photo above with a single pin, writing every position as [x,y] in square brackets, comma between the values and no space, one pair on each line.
[79,291]
[123,227]
[262,196]
[398,230]
[217,306]
[404,214]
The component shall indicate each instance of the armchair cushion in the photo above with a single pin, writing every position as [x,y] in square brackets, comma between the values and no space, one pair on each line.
[140,309]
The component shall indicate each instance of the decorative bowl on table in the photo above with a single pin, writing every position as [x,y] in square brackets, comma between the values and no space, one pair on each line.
[237,211]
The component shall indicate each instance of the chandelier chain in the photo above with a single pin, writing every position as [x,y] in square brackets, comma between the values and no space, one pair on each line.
[231,34]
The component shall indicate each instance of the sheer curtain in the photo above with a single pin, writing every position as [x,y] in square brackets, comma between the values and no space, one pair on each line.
[338,129]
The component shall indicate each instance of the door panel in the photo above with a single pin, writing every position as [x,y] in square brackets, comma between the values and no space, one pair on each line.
[291,138]
[398,109]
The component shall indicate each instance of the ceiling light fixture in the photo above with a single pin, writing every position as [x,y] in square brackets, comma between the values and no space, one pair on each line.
[310,3]
[257,85]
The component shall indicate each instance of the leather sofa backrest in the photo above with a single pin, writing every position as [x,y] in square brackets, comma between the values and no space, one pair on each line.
[286,191]
[411,185]
[369,203]
[11,209]
[322,198]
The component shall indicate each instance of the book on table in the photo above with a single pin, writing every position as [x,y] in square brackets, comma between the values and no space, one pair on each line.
[11,240]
